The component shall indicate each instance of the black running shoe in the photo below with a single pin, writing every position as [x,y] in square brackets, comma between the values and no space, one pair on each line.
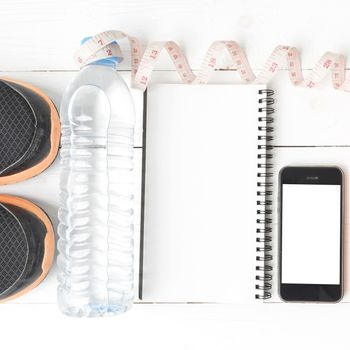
[29,131]
[27,246]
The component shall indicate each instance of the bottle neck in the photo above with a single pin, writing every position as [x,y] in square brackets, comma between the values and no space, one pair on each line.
[109,61]
[105,62]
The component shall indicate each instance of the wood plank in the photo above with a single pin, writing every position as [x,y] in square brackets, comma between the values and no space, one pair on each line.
[313,117]
[42,35]
[303,117]
[183,327]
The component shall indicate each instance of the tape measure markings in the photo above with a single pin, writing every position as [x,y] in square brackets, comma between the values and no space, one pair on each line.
[105,45]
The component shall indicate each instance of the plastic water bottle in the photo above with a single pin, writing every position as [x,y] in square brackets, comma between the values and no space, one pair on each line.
[95,262]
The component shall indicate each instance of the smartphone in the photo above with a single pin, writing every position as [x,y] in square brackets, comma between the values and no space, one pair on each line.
[311,234]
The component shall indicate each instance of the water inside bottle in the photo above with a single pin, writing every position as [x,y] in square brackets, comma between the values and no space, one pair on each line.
[96,214]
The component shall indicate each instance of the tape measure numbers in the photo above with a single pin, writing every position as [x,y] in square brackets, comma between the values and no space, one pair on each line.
[105,45]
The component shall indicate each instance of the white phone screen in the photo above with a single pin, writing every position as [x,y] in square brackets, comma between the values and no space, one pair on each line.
[311,236]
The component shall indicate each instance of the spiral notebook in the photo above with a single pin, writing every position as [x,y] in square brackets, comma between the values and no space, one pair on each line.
[206,193]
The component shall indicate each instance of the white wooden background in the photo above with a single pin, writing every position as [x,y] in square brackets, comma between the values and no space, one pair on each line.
[37,40]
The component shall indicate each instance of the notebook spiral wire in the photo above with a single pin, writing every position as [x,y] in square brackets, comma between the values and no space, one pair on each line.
[264,196]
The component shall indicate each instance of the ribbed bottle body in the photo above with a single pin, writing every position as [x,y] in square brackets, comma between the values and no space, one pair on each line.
[95,262]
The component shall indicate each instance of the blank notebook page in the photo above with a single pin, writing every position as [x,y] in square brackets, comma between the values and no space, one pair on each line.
[200,193]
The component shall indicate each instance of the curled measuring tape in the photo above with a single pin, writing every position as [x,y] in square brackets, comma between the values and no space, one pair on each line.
[105,45]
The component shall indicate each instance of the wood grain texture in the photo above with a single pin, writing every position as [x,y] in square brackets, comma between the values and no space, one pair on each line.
[38,39]
[42,35]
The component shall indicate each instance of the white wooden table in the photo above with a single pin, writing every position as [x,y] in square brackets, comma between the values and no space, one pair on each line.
[37,40]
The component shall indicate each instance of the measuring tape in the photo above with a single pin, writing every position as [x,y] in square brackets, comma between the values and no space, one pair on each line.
[105,45]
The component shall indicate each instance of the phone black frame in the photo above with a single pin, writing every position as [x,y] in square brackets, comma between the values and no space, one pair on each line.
[316,176]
